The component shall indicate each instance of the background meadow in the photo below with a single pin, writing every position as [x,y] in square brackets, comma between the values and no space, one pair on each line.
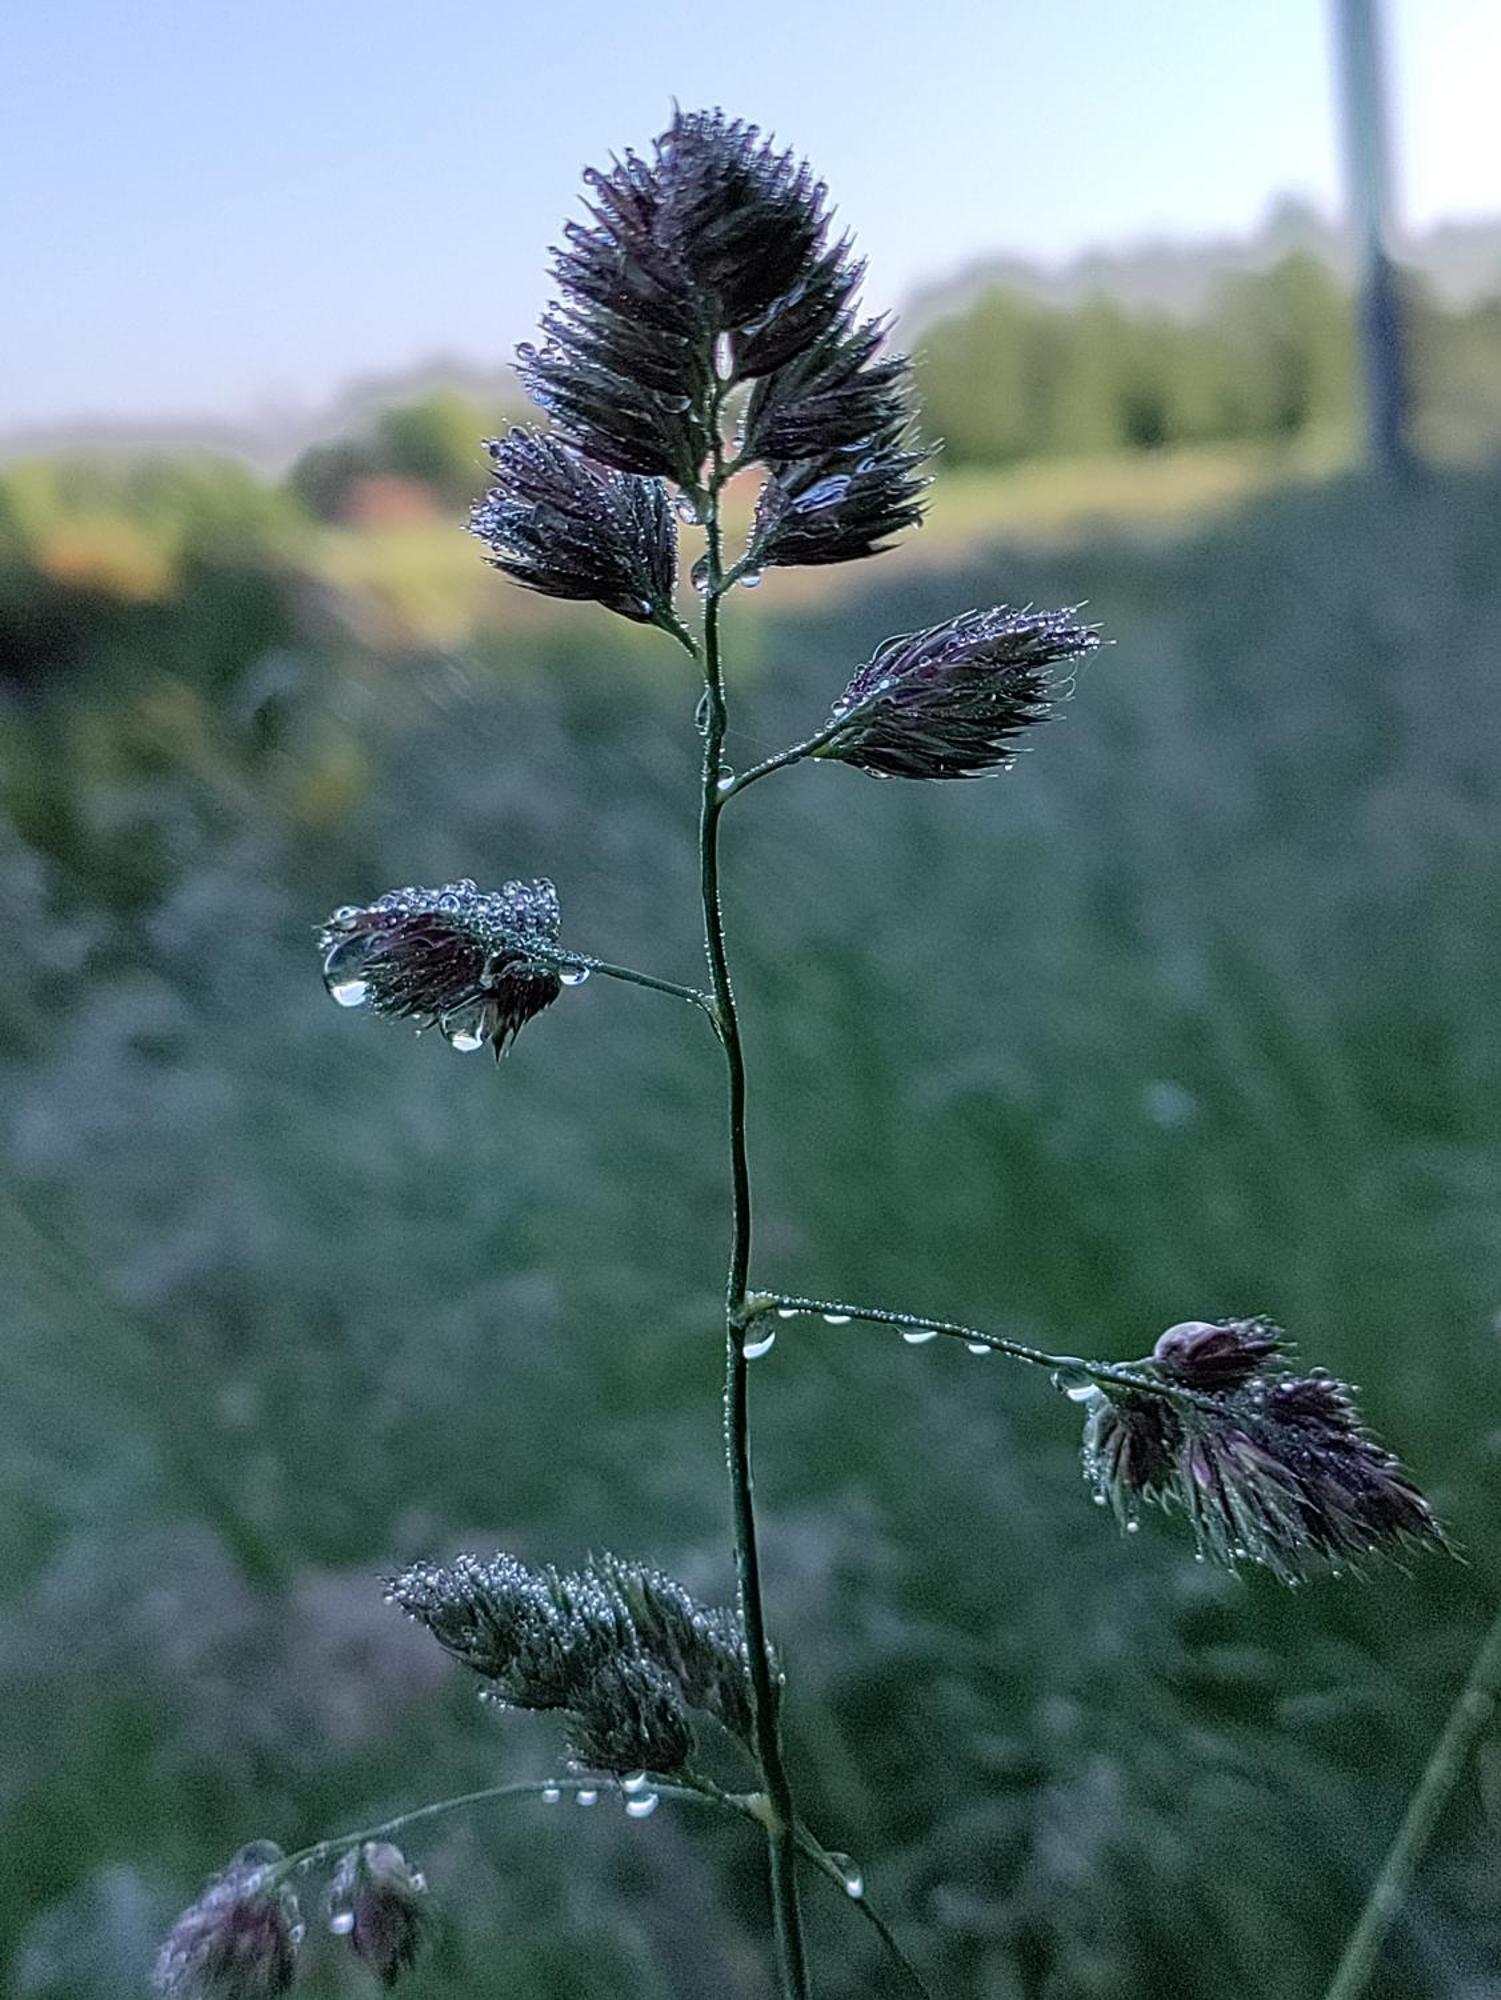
[1194,1012]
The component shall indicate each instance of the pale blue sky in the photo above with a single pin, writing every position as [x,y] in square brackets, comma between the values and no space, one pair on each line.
[218,208]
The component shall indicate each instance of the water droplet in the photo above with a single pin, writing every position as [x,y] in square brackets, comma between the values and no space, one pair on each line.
[854,1881]
[297,1933]
[726,780]
[1132,1527]
[685,510]
[754,1349]
[977,1347]
[919,1336]
[573,975]
[699,576]
[586,1798]
[703,712]
[418,1881]
[551,1794]
[1075,1384]
[724,357]
[467,1028]
[341,1923]
[823,493]
[786,1312]
[633,1781]
[837,1319]
[343,971]
[642,1806]
[750,579]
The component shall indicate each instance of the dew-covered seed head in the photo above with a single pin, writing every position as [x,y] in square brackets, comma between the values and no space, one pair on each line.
[1267,1467]
[381,1905]
[457,958]
[564,525]
[619,1649]
[951,702]
[240,1940]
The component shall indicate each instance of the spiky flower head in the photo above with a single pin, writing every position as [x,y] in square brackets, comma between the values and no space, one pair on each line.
[565,526]
[380,1903]
[843,396]
[709,260]
[240,1940]
[476,964]
[950,702]
[622,1651]
[814,511]
[1267,1467]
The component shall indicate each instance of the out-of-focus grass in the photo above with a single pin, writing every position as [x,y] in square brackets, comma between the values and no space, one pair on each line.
[1195,1012]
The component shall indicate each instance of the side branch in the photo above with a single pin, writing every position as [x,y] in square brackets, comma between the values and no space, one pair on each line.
[569,961]
[835,1312]
[809,747]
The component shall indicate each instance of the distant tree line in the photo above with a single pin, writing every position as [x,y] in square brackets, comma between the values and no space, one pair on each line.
[1272,358]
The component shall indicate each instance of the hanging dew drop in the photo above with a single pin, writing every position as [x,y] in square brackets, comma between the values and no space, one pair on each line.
[754,1349]
[1074,1383]
[854,1881]
[633,1781]
[344,971]
[837,1319]
[786,1312]
[341,1923]
[919,1336]
[466,1028]
[551,1794]
[977,1347]
[642,1806]
[750,580]
[573,975]
[586,1798]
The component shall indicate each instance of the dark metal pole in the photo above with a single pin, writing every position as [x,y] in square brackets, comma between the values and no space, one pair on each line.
[1368,193]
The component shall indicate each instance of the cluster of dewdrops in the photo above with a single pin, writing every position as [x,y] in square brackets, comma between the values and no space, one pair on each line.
[500,919]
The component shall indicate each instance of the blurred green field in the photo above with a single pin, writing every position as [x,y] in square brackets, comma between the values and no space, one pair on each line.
[1198,1011]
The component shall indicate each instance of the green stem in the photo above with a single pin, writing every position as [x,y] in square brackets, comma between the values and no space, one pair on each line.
[1123,1375]
[781,1821]
[323,1851]
[809,747]
[565,959]
[1473,1708]
[688,1786]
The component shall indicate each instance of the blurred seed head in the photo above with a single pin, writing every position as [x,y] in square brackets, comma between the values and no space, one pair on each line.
[621,1650]
[1267,1467]
[240,1940]
[456,957]
[381,1905]
[951,702]
[567,527]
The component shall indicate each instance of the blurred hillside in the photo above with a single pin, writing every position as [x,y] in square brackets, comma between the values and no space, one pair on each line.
[1195,1012]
